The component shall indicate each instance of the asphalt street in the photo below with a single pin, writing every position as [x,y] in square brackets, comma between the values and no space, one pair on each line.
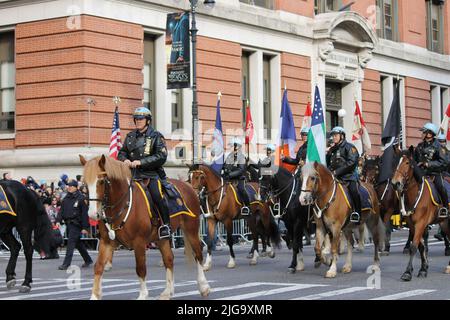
[268,280]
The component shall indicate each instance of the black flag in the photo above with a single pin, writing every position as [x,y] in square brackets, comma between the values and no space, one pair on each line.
[392,135]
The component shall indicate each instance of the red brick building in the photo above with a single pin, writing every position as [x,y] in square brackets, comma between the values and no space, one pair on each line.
[57,54]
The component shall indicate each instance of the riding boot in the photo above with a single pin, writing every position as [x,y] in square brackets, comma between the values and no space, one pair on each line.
[439,183]
[164,229]
[203,205]
[245,210]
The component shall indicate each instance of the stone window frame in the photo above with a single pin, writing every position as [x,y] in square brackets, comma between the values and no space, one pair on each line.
[8,133]
[268,4]
[321,6]
[432,45]
[381,30]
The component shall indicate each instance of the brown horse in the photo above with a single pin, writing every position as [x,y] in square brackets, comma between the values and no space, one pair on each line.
[419,208]
[332,211]
[223,205]
[127,218]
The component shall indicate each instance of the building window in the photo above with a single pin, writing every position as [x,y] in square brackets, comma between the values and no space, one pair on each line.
[435,38]
[333,91]
[387,19]
[266,98]
[324,6]
[7,82]
[149,75]
[177,112]
[268,4]
[245,84]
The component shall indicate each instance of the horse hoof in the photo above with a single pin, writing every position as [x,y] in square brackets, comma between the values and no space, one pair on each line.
[346,269]
[205,291]
[143,297]
[405,250]
[164,297]
[263,254]
[422,274]
[317,264]
[253,262]
[384,253]
[330,274]
[300,268]
[94,297]
[231,265]
[24,289]
[11,284]
[447,270]
[291,270]
[206,267]
[447,252]
[250,256]
[271,254]
[107,267]
[406,276]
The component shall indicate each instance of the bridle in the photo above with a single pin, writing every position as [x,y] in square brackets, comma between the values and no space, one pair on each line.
[206,192]
[105,201]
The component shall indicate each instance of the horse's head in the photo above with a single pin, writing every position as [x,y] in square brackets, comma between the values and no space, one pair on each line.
[265,184]
[100,174]
[197,177]
[310,183]
[404,172]
[370,169]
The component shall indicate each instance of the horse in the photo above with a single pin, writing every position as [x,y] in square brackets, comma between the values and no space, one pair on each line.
[332,210]
[419,208]
[126,218]
[225,208]
[281,186]
[28,215]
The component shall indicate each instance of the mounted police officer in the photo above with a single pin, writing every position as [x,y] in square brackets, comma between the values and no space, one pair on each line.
[443,142]
[234,170]
[74,212]
[300,159]
[342,160]
[145,151]
[432,161]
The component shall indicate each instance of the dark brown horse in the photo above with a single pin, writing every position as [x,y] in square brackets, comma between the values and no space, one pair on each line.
[332,211]
[389,204]
[224,207]
[419,208]
[127,218]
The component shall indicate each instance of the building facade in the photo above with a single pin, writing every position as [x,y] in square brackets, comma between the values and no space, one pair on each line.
[63,61]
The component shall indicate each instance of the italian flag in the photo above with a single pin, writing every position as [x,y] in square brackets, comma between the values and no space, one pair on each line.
[316,136]
[360,135]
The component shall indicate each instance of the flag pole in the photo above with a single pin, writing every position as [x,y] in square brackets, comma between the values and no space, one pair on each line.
[247,141]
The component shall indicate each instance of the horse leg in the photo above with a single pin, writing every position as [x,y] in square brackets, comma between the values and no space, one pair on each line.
[375,225]
[229,227]
[264,242]
[319,259]
[296,240]
[105,249]
[300,262]
[406,249]
[347,268]
[361,230]
[167,255]
[335,239]
[211,234]
[141,269]
[14,249]
[194,242]
[416,235]
[425,239]
[423,256]
[25,236]
[446,228]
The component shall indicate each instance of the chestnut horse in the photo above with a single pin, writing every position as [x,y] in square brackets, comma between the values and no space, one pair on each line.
[127,218]
[332,211]
[420,209]
[222,203]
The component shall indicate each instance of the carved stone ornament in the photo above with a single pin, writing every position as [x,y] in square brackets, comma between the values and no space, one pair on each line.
[325,50]
[364,58]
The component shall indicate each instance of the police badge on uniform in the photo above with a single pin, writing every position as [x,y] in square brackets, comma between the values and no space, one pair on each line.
[148,144]
[164,149]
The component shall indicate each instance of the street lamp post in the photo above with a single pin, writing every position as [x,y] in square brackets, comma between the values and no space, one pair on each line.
[194,31]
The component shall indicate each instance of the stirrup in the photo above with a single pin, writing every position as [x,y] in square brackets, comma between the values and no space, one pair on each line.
[443,212]
[245,211]
[354,217]
[164,231]
[276,208]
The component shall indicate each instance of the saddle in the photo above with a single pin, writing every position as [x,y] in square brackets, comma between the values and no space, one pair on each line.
[5,206]
[366,202]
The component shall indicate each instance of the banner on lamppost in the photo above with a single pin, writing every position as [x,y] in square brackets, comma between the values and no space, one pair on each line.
[178,50]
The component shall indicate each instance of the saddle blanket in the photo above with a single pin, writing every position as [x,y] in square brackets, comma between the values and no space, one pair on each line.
[5,207]
[435,198]
[251,191]
[366,203]
[175,202]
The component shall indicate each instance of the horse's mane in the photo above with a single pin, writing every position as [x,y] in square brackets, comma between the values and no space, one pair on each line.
[115,169]
[309,170]
[212,170]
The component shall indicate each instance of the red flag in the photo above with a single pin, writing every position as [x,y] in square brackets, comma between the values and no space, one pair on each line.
[360,135]
[249,128]
[444,124]
[307,117]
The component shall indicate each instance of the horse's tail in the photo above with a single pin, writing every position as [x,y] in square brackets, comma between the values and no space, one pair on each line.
[43,227]
[274,232]
[188,251]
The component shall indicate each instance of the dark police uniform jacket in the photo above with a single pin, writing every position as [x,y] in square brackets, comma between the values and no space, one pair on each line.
[301,155]
[74,210]
[433,154]
[150,148]
[234,167]
[342,159]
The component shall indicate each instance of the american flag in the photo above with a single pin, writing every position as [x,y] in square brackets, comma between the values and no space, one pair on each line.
[116,141]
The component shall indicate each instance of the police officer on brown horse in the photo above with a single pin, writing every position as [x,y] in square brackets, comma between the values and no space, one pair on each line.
[145,151]
[342,160]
